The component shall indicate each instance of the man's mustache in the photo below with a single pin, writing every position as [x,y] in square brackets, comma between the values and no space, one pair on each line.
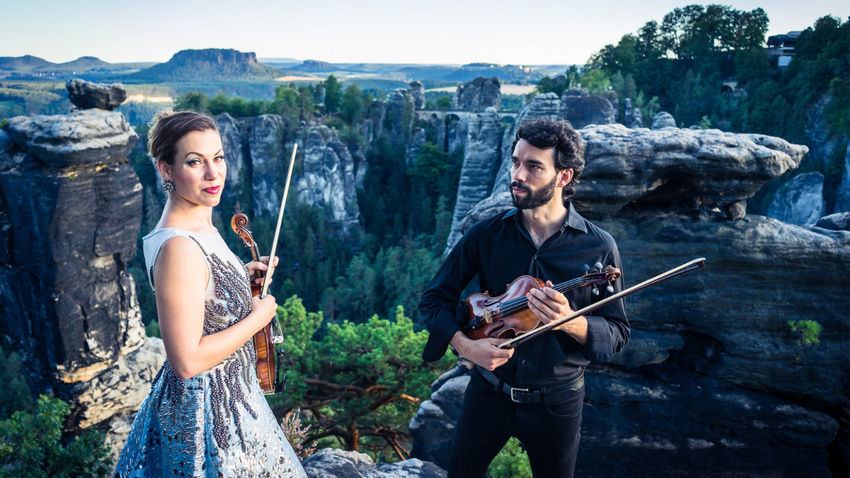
[520,186]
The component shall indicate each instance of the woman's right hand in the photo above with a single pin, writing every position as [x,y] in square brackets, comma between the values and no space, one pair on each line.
[265,308]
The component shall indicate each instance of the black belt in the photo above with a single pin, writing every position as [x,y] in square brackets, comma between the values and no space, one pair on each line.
[531,395]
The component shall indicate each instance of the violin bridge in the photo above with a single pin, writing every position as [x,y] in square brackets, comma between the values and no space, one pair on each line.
[488,316]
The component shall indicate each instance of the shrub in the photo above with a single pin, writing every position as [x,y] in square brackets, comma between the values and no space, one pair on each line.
[31,445]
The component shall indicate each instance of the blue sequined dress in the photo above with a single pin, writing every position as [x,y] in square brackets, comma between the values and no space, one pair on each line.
[217,423]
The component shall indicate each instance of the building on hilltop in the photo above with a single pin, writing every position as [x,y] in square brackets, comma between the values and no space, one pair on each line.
[783,47]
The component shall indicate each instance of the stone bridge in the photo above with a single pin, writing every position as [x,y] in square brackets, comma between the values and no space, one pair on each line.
[426,115]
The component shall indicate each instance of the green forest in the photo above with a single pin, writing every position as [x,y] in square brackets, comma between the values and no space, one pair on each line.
[348,302]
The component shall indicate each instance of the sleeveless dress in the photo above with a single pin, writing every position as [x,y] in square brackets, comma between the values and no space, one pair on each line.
[217,423]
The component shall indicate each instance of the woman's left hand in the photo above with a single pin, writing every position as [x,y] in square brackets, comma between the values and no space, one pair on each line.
[261,265]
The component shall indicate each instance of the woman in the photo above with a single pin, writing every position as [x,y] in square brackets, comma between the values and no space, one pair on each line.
[205,414]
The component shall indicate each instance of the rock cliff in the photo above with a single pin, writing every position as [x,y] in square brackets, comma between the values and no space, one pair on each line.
[479,94]
[70,207]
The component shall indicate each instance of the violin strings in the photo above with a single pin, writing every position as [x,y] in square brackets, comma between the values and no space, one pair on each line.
[515,305]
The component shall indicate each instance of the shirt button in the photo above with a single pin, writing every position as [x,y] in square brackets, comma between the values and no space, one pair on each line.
[522,361]
[534,258]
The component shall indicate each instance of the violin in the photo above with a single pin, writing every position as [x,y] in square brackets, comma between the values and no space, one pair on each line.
[264,338]
[507,315]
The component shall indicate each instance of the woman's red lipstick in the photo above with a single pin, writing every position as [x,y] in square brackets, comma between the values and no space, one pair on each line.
[213,190]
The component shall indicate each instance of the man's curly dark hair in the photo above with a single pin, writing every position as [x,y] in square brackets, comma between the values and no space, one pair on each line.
[567,144]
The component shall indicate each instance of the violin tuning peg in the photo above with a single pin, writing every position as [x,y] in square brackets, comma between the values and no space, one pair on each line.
[598,266]
[585,267]
[595,290]
[610,288]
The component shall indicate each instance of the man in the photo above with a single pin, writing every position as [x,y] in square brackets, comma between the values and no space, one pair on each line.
[536,391]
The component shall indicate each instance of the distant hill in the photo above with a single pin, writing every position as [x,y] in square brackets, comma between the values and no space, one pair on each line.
[21,63]
[505,73]
[29,66]
[211,64]
[314,66]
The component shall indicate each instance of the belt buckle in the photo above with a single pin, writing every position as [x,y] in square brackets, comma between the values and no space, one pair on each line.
[513,398]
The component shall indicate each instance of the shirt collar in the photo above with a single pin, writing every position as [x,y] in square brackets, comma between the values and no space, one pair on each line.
[574,219]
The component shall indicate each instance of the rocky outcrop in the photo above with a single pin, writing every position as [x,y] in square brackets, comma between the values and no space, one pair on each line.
[481,158]
[233,143]
[417,91]
[842,197]
[677,167]
[836,222]
[799,201]
[479,94]
[633,117]
[269,162]
[328,177]
[70,219]
[86,94]
[82,138]
[582,109]
[663,120]
[672,167]
[334,463]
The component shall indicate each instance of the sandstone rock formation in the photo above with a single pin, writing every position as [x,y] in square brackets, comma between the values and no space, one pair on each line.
[481,157]
[417,90]
[663,120]
[233,142]
[329,176]
[677,166]
[479,94]
[87,95]
[842,198]
[269,162]
[582,109]
[633,117]
[69,209]
[800,200]
[334,463]
[837,222]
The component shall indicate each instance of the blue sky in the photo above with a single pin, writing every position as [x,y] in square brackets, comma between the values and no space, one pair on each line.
[374,31]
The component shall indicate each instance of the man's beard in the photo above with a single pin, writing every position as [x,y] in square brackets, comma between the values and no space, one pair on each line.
[534,198]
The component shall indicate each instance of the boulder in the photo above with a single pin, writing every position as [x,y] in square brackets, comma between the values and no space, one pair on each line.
[836,222]
[663,120]
[86,94]
[582,109]
[799,201]
[87,137]
[433,426]
[479,94]
[334,463]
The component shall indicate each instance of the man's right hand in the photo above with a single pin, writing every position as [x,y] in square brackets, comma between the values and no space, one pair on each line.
[483,352]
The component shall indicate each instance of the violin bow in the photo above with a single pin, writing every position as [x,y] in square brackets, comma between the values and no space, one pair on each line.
[687,267]
[267,280]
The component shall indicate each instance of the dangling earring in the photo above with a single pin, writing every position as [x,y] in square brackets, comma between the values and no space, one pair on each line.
[168,185]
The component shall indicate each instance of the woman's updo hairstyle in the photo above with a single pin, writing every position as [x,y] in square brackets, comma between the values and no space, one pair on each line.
[169,127]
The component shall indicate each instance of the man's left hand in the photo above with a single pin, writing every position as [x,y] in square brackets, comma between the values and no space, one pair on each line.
[548,305]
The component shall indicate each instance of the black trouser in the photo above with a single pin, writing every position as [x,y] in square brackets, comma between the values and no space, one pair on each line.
[549,431]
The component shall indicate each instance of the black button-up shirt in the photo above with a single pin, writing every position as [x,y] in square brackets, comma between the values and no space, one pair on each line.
[499,250]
